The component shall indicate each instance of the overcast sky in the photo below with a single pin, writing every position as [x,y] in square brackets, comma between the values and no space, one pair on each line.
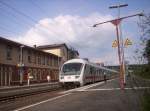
[44,22]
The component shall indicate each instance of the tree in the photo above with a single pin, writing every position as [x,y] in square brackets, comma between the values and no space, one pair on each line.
[142,55]
[145,26]
[147,51]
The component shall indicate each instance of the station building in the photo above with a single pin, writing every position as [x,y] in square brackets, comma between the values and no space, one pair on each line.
[61,50]
[18,62]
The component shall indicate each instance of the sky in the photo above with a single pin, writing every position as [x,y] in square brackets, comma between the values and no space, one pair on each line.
[44,22]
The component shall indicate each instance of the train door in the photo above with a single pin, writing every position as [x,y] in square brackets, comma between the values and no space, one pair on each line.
[84,74]
[102,75]
[99,75]
[91,75]
[85,77]
[94,74]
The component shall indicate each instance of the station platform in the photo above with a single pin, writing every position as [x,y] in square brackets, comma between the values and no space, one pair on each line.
[7,91]
[24,86]
[100,96]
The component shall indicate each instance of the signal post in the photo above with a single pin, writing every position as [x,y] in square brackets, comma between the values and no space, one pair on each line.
[120,44]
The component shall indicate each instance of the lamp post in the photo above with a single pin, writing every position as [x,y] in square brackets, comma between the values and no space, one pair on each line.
[21,64]
[120,44]
[116,23]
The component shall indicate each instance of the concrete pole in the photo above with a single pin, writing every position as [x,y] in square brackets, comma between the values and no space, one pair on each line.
[21,64]
[116,22]
[123,82]
[28,81]
[121,48]
[119,56]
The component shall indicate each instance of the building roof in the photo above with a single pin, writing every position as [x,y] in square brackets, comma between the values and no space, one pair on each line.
[10,42]
[52,46]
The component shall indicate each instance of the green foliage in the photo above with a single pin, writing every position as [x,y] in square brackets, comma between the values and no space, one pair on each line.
[145,26]
[142,71]
[146,101]
[147,51]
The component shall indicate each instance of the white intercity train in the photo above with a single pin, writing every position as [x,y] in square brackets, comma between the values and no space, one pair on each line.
[79,72]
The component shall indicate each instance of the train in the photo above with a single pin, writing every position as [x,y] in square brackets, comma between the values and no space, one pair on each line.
[79,72]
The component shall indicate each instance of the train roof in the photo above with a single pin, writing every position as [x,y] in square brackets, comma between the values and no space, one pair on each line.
[76,61]
[87,62]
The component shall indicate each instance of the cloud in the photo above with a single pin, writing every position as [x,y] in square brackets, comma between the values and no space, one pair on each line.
[76,31]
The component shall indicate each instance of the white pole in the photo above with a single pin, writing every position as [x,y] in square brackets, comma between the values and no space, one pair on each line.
[28,78]
[28,81]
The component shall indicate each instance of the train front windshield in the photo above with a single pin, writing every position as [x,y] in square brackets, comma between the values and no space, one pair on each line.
[72,69]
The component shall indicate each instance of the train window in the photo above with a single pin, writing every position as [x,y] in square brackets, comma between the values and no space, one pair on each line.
[72,68]
[85,67]
[91,70]
[101,72]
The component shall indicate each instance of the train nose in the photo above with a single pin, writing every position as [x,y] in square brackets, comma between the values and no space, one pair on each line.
[68,77]
[76,77]
[62,77]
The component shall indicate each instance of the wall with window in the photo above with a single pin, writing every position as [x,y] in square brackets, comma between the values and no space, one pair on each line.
[40,64]
[64,53]
[39,59]
[9,54]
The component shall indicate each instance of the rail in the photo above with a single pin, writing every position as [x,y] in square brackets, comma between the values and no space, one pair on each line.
[27,91]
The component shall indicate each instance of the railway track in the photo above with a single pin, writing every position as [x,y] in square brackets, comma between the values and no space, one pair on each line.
[9,95]
[9,98]
[33,91]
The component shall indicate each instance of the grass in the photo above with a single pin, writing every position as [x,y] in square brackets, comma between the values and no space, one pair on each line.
[143,71]
[146,101]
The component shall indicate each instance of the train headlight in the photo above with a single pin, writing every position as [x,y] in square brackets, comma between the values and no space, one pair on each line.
[62,77]
[77,77]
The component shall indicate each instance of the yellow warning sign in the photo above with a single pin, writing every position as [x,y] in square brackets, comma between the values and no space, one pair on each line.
[115,43]
[127,42]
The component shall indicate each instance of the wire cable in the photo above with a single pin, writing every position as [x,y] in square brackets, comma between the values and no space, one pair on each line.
[13,18]
[32,20]
[19,12]
[38,7]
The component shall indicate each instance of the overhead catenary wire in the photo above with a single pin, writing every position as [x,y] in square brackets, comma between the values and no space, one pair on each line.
[19,12]
[45,28]
[13,19]
[6,30]
[22,14]
[44,13]
[38,7]
[22,23]
[29,18]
